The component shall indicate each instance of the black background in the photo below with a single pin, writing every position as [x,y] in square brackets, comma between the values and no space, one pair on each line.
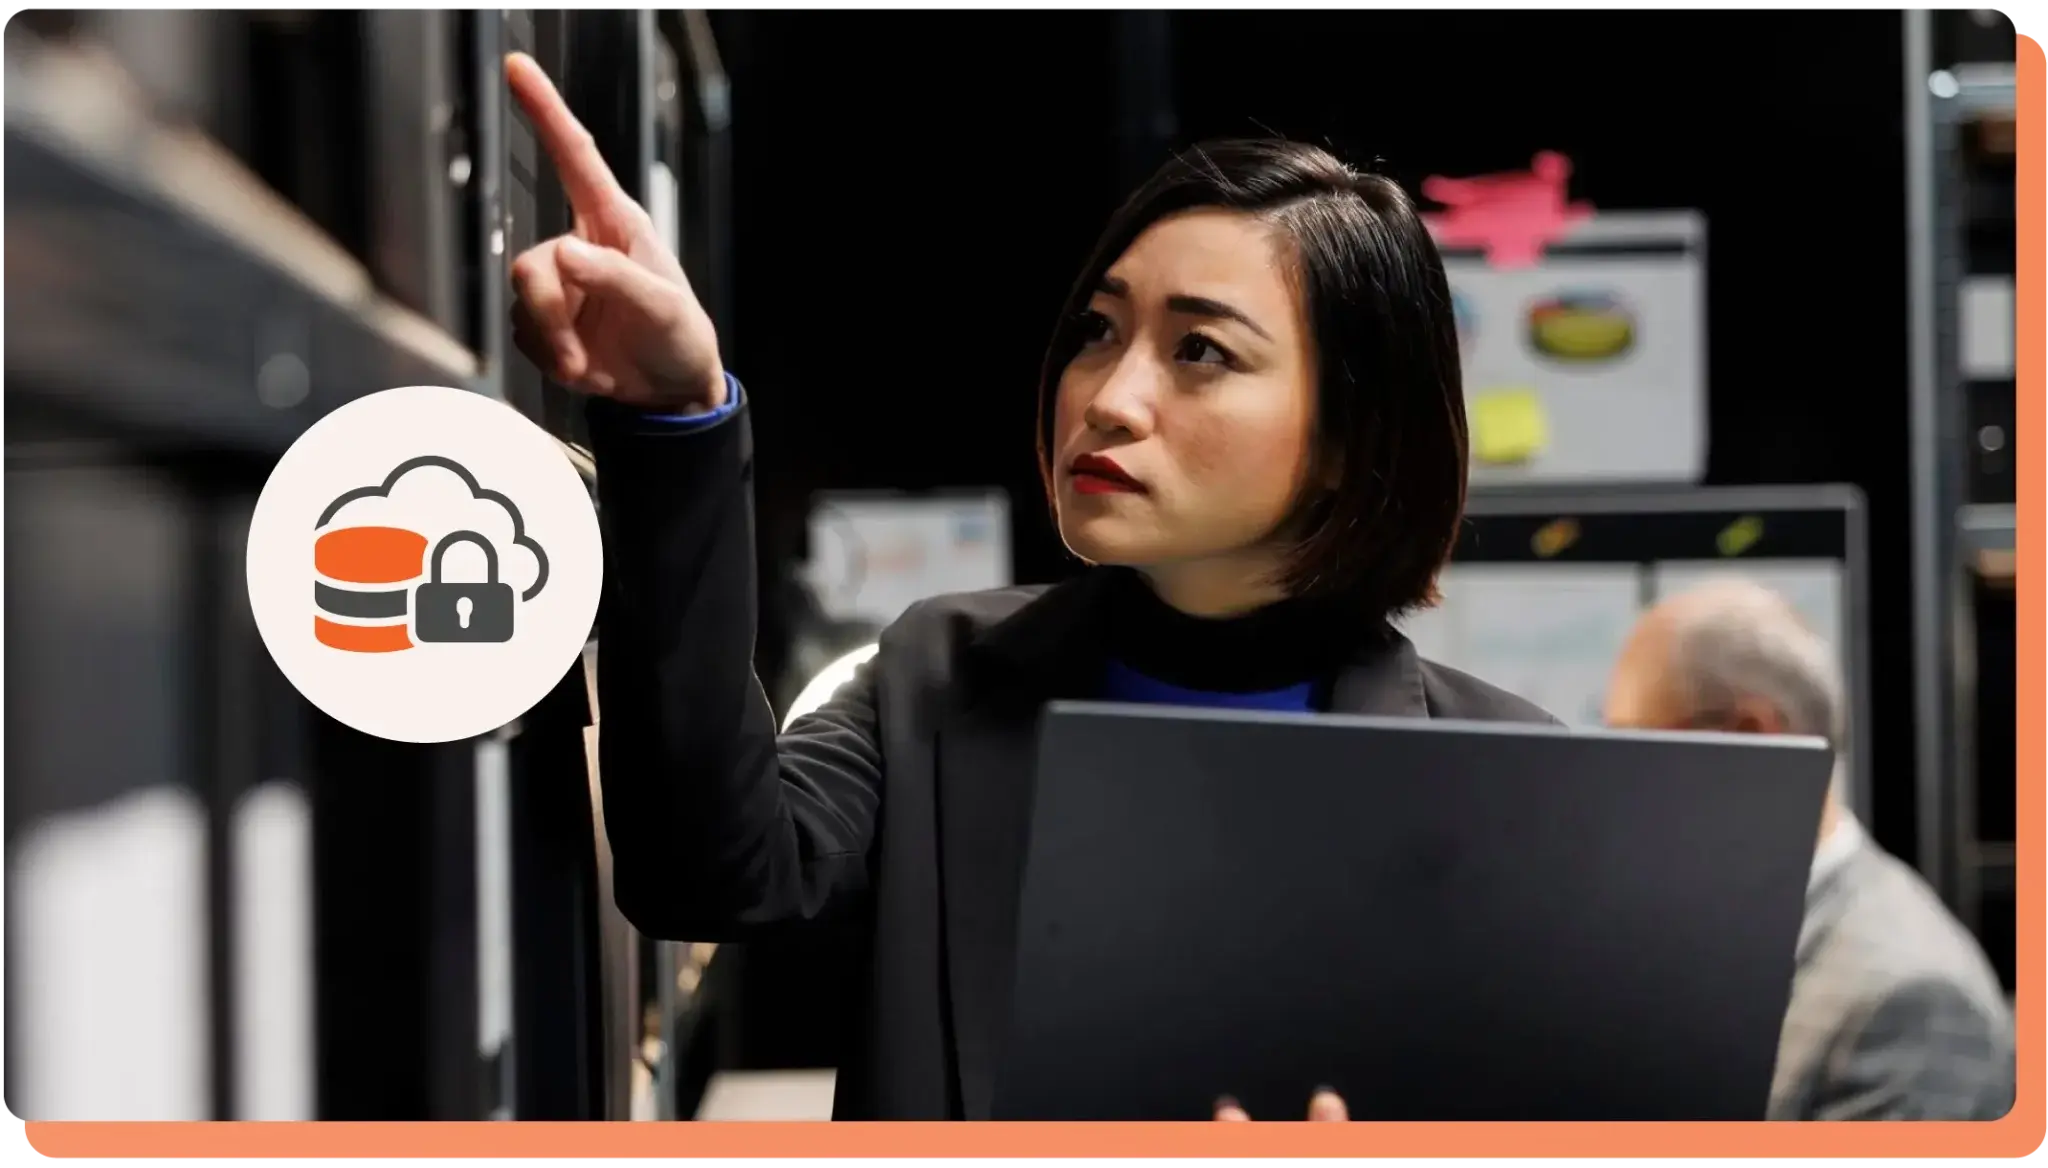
[913,192]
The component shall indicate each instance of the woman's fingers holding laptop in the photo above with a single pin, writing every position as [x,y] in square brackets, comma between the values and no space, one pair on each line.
[1325,1106]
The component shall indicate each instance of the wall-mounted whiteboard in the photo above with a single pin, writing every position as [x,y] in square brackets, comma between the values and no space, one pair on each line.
[1545,586]
[1591,366]
[1548,632]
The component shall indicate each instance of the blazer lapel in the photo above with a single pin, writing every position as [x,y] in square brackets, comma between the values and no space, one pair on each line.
[986,753]
[1385,678]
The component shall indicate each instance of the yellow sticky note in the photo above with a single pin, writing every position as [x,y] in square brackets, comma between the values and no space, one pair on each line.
[1508,425]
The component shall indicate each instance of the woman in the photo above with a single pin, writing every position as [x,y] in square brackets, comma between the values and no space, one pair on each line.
[1251,425]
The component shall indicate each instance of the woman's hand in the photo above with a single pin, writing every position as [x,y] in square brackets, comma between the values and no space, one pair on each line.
[1323,1107]
[606,309]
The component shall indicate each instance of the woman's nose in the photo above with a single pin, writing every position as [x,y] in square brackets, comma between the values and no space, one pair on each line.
[1124,401]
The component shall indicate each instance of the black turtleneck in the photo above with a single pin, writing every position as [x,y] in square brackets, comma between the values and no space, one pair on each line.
[1286,653]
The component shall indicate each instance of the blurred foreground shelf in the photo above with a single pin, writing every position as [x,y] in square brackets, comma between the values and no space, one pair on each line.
[157,285]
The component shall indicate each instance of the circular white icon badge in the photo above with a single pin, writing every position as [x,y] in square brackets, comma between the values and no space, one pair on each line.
[424,564]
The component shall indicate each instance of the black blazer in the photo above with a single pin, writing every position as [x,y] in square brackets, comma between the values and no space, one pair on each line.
[899,809]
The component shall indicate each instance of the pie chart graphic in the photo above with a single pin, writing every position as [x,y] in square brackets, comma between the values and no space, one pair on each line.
[1582,327]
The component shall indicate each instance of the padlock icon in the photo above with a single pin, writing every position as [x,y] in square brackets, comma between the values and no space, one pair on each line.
[463,612]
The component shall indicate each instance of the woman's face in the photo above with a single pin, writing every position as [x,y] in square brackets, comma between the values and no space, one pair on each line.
[1196,383]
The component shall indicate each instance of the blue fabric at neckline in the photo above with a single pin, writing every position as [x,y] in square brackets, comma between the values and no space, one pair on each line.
[1124,684]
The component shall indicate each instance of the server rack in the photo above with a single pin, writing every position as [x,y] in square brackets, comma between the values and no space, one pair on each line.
[221,227]
[553,1057]
[696,141]
[174,324]
[682,168]
[1962,256]
[582,973]
[664,134]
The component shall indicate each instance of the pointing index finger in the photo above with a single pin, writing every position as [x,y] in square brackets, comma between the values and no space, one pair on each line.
[586,179]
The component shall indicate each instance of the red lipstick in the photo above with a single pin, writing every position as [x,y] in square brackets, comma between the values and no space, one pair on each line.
[1095,474]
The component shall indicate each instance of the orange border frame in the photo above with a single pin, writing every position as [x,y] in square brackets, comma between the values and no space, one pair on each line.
[2018,1134]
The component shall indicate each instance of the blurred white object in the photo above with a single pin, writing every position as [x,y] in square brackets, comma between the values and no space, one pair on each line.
[768,1095]
[274,1052]
[874,555]
[821,688]
[1989,317]
[107,963]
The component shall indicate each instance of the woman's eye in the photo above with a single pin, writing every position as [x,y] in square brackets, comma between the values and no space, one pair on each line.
[1093,327]
[1200,350]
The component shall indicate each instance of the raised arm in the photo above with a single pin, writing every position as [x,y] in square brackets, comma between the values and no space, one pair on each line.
[718,827]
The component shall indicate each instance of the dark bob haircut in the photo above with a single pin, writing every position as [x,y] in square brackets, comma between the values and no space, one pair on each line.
[1390,403]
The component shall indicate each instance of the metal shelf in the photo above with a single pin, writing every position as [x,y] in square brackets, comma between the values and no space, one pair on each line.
[1957,208]
[1980,89]
[1985,534]
[1996,868]
[173,292]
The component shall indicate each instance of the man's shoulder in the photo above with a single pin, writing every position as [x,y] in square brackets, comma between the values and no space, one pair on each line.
[1887,948]
[1453,693]
[1894,1007]
[1892,931]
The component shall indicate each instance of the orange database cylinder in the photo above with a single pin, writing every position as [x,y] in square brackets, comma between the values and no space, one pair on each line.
[356,610]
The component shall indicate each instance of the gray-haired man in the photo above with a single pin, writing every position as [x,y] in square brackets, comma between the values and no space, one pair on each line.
[1895,1014]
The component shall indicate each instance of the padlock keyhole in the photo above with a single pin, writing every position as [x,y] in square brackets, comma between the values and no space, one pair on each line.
[462,607]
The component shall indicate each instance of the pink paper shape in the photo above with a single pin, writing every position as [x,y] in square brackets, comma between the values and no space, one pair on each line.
[1511,216]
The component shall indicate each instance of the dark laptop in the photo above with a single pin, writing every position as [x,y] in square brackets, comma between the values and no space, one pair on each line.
[1442,920]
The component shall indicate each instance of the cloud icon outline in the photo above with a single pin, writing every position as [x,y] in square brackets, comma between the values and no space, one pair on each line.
[476,491]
